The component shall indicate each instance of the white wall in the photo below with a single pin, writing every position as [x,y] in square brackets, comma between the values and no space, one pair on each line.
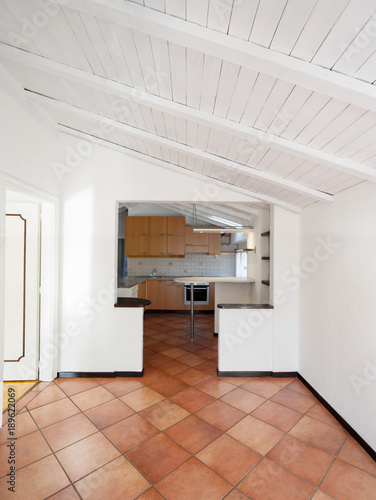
[337,354]
[90,191]
[28,151]
[284,256]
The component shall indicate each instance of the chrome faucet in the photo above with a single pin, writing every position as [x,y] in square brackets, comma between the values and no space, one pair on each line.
[152,275]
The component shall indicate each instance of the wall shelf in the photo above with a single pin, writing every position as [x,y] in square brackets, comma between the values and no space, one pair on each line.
[265,282]
[265,258]
[267,233]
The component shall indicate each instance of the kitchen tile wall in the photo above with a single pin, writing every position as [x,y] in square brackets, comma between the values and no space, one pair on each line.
[191,265]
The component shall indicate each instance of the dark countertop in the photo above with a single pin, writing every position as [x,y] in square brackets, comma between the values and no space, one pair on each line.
[245,306]
[130,281]
[131,302]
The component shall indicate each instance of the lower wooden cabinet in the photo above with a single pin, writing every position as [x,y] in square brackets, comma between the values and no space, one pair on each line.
[156,293]
[141,293]
[174,296]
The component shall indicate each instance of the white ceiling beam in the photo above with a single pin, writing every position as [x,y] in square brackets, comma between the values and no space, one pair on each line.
[132,95]
[208,212]
[183,148]
[236,217]
[252,196]
[234,50]
[188,213]
[244,210]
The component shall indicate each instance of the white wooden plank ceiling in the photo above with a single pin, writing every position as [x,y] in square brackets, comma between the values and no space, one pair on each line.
[272,98]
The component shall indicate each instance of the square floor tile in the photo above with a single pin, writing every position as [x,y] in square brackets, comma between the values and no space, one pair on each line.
[294,400]
[298,386]
[68,431]
[174,352]
[215,387]
[261,387]
[142,398]
[256,434]
[97,451]
[301,459]
[267,478]
[319,412]
[172,367]
[209,367]
[48,395]
[193,433]
[54,412]
[130,432]
[169,386]
[277,415]
[151,494]
[236,495]
[319,495]
[318,434]
[92,397]
[193,481]
[221,415]
[152,375]
[164,414]
[27,449]
[281,381]
[229,458]
[192,399]
[109,413]
[157,457]
[352,453]
[117,480]
[159,347]
[65,494]
[24,424]
[157,359]
[346,482]
[208,353]
[192,376]
[75,385]
[243,400]
[122,385]
[191,359]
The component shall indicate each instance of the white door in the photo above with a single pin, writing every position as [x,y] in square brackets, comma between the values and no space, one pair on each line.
[22,282]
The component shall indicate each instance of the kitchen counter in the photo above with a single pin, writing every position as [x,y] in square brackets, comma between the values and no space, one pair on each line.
[213,279]
[130,281]
[131,302]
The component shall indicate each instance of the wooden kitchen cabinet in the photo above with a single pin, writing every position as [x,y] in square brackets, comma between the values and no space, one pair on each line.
[136,246]
[137,226]
[141,292]
[176,226]
[176,245]
[156,293]
[174,296]
[195,239]
[158,245]
[215,244]
[158,226]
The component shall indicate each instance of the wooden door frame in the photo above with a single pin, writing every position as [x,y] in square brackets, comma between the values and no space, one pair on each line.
[48,351]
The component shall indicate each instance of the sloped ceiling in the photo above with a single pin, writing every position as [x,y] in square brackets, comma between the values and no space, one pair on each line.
[272,98]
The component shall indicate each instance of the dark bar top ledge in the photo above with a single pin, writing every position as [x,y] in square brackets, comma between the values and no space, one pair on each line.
[131,302]
[245,306]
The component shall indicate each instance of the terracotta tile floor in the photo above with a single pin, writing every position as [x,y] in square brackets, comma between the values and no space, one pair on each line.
[182,433]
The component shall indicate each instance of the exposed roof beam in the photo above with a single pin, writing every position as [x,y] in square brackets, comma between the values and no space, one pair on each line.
[208,213]
[193,36]
[244,210]
[185,171]
[231,215]
[182,148]
[188,213]
[132,95]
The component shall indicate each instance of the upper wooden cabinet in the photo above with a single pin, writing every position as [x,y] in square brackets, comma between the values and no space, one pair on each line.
[215,243]
[137,245]
[176,245]
[176,226]
[137,226]
[158,226]
[194,239]
[158,245]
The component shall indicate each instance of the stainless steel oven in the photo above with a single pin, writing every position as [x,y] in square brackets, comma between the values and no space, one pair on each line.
[200,294]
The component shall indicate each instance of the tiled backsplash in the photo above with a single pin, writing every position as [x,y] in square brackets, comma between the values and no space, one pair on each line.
[191,265]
